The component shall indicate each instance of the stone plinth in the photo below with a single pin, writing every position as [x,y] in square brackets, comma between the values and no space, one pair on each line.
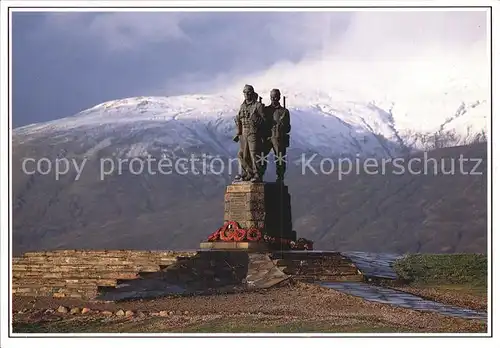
[244,246]
[265,206]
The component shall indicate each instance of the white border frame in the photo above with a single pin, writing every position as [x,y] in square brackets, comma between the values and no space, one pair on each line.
[5,134]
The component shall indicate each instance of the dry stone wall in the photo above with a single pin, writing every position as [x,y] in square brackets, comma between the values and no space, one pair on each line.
[88,274]
[80,273]
[317,266]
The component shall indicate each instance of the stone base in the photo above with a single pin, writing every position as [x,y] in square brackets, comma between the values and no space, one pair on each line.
[246,246]
[265,206]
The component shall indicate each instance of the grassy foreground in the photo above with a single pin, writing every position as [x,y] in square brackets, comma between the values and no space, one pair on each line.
[456,279]
[464,269]
[221,325]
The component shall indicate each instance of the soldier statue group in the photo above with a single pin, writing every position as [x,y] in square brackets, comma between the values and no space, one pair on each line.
[259,129]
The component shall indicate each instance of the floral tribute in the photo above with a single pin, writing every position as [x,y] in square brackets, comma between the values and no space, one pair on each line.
[232,232]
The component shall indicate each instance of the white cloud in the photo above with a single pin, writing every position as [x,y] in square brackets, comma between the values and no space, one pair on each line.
[119,31]
[388,54]
[125,30]
[128,30]
[366,53]
[402,34]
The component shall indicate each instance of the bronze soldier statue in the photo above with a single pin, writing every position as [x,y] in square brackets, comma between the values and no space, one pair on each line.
[249,123]
[278,125]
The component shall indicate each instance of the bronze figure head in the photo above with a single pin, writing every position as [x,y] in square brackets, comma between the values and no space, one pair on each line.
[275,96]
[249,93]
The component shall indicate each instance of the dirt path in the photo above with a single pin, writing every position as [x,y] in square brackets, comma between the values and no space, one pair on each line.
[292,308]
[459,298]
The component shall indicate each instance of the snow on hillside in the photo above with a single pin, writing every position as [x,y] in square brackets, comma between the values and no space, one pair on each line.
[321,122]
[383,105]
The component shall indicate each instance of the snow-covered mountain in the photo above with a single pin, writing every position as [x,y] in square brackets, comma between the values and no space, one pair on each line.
[366,212]
[330,124]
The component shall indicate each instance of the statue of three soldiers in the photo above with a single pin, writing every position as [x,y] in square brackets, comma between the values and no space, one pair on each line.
[259,129]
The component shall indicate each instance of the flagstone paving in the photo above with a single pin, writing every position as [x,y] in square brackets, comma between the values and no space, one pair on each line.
[377,265]
[398,298]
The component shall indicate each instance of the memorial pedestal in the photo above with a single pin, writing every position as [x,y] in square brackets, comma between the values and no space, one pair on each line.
[255,213]
[244,246]
[265,206]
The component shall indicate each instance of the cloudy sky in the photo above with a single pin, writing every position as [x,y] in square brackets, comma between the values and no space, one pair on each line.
[66,62]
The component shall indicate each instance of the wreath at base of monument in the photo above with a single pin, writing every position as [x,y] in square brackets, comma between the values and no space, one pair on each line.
[232,232]
[254,235]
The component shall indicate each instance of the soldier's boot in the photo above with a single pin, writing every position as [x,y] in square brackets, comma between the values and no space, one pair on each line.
[240,177]
[243,177]
[258,174]
[256,178]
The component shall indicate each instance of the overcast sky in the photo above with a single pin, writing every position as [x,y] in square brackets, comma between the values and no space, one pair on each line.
[66,62]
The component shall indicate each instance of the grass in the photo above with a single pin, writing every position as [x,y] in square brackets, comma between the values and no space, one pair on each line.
[458,274]
[225,325]
[308,326]
[474,290]
[63,326]
[439,269]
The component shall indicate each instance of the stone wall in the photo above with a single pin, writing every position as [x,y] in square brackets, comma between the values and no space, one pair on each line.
[80,273]
[316,265]
[88,274]
[206,273]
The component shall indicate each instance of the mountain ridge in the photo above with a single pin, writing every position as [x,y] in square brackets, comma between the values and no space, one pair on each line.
[361,212]
[329,129]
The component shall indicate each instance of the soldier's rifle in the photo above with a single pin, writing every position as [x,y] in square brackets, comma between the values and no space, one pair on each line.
[281,118]
[287,137]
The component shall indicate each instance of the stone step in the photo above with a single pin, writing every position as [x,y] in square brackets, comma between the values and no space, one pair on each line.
[80,295]
[109,253]
[75,260]
[110,283]
[336,269]
[68,283]
[55,292]
[306,255]
[77,275]
[19,288]
[23,268]
[320,270]
[103,256]
[330,278]
[318,274]
[314,262]
[98,256]
[344,267]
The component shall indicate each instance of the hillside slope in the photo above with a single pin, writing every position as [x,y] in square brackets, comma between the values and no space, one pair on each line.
[385,213]
[369,212]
